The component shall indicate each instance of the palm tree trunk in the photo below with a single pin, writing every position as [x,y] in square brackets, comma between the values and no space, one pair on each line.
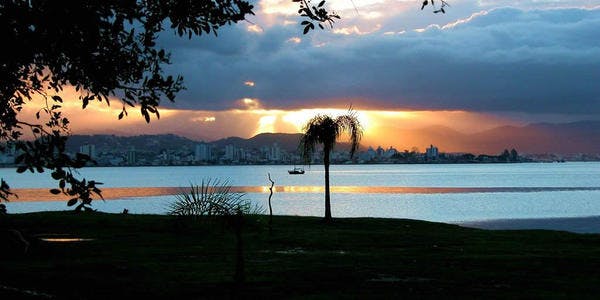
[327,197]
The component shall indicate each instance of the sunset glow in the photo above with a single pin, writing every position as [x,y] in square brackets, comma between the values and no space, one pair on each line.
[381,127]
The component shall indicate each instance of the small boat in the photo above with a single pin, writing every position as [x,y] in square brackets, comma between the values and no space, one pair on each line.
[296,171]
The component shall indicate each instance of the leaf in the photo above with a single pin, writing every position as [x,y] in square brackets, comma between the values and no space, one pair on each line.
[21,169]
[321,3]
[306,29]
[72,202]
[57,98]
[146,116]
[85,102]
[55,191]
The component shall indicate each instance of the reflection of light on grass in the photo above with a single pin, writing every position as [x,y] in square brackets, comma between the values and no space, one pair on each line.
[65,240]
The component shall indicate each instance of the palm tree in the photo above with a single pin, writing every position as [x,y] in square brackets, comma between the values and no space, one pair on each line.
[325,130]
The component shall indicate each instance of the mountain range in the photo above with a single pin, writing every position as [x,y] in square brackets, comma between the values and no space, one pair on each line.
[564,138]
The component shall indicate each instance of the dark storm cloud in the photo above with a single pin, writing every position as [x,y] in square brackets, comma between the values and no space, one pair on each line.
[506,60]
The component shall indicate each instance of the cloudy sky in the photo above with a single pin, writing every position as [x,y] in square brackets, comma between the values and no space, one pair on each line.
[480,65]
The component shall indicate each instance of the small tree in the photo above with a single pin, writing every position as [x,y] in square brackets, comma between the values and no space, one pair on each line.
[325,130]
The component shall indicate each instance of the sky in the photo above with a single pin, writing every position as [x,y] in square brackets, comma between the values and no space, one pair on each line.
[481,65]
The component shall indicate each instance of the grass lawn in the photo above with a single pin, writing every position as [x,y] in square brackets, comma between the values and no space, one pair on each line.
[166,257]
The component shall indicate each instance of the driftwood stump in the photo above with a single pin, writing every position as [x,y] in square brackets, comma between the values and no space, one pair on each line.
[270,207]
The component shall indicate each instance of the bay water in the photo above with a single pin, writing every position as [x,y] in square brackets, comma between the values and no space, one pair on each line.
[433,192]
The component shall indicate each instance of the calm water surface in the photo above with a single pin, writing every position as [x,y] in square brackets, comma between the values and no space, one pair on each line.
[447,193]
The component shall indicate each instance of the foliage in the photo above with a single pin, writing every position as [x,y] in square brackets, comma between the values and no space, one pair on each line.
[316,14]
[435,8]
[325,130]
[211,198]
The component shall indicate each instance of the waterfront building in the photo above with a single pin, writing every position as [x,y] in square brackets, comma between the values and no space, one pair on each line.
[89,150]
[131,158]
[432,152]
[275,153]
[203,152]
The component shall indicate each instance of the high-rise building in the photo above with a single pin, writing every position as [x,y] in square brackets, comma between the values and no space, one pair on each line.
[371,153]
[131,159]
[380,151]
[89,150]
[432,152]
[203,152]
[229,152]
[275,153]
[390,152]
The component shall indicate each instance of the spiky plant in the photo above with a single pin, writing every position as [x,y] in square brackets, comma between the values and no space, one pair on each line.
[211,198]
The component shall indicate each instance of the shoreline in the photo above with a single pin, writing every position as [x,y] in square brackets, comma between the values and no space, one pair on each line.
[585,225]
[432,162]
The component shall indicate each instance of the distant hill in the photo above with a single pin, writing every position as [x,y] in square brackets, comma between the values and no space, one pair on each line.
[566,138]
[287,141]
[148,143]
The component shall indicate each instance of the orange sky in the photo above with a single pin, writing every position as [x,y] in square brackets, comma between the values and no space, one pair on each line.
[382,127]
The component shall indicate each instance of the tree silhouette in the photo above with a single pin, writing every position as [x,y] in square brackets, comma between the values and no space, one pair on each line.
[325,130]
[103,49]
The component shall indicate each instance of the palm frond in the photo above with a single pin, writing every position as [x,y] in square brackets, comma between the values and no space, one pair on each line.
[350,124]
[324,130]
[212,198]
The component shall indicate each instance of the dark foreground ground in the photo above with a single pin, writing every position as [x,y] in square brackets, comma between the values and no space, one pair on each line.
[162,256]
